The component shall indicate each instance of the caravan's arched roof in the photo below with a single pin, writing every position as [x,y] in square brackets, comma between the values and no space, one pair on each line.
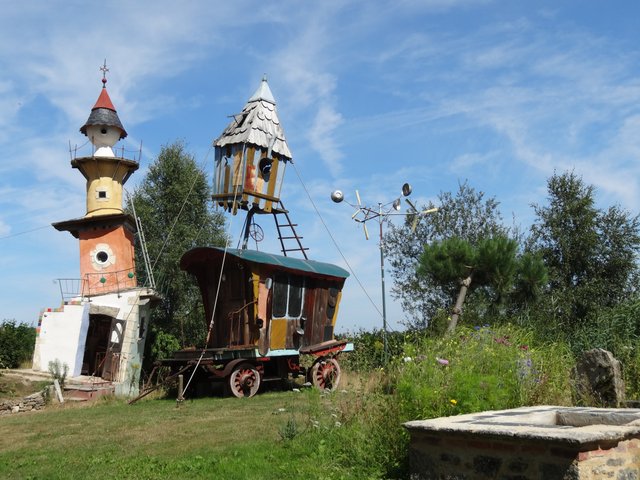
[200,254]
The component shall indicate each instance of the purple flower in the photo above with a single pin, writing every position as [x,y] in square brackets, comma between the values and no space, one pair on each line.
[525,368]
[442,361]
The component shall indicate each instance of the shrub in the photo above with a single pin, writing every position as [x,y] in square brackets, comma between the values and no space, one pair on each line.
[368,351]
[59,371]
[17,342]
[164,345]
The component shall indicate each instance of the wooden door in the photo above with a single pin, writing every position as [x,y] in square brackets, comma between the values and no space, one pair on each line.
[114,350]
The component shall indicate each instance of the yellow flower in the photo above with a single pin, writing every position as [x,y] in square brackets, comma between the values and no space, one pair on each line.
[453,401]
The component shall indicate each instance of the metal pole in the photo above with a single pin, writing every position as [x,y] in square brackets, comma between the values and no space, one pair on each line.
[247,227]
[362,215]
[384,303]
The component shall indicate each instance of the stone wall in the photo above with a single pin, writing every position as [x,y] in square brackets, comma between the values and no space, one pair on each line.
[454,457]
[35,401]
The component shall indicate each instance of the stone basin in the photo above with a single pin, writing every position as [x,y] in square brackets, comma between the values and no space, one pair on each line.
[542,442]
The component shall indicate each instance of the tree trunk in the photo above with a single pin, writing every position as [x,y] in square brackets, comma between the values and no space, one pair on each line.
[457,310]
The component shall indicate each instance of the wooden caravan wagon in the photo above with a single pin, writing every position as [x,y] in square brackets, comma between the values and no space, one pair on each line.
[262,311]
[266,310]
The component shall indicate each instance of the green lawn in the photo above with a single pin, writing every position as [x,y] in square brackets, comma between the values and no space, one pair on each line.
[204,438]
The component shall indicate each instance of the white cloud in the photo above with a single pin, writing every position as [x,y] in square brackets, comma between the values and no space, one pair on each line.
[468,160]
[413,47]
[321,136]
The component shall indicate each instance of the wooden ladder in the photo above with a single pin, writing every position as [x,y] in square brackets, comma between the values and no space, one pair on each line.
[297,246]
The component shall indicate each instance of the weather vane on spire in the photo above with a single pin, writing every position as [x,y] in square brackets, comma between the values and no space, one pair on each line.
[104,71]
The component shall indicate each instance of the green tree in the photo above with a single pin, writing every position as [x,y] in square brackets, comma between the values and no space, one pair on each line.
[174,204]
[590,253]
[17,341]
[492,265]
[467,215]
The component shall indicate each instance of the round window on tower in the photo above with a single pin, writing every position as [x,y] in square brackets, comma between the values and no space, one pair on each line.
[102,257]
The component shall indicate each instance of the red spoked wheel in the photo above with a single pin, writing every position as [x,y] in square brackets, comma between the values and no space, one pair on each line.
[325,374]
[244,380]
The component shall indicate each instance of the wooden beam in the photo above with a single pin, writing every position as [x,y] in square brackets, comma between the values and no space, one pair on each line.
[271,188]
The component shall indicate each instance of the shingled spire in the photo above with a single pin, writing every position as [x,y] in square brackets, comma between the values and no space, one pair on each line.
[251,156]
[103,113]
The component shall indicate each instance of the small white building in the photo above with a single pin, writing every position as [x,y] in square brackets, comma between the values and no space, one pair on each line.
[100,329]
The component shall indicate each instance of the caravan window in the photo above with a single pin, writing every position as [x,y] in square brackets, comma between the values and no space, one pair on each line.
[288,296]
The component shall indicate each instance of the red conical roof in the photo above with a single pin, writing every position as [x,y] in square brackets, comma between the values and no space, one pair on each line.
[104,101]
[104,113]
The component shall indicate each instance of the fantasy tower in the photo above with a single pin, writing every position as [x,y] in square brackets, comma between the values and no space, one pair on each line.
[100,330]
[105,232]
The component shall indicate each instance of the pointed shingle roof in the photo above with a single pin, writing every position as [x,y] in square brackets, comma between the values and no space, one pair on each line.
[104,113]
[258,124]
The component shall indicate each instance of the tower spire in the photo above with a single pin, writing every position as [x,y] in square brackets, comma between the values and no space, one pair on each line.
[251,156]
[103,127]
[104,70]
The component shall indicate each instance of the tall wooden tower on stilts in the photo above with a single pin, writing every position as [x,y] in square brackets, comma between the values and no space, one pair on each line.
[251,158]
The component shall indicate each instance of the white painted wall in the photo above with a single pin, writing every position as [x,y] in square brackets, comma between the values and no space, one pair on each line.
[62,337]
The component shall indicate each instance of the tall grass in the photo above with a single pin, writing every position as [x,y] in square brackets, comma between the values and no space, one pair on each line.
[481,368]
[428,376]
[615,329]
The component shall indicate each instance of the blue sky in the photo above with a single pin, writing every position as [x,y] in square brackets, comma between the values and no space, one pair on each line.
[370,94]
